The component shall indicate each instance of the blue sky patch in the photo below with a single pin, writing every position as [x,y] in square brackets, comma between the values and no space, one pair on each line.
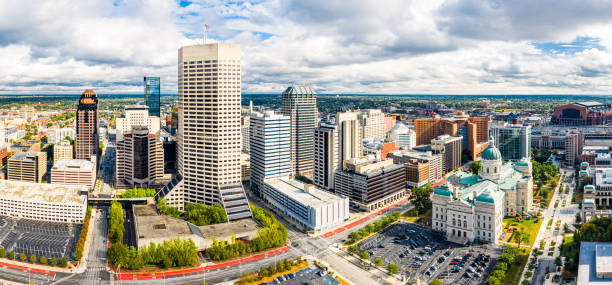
[578,45]
[184,3]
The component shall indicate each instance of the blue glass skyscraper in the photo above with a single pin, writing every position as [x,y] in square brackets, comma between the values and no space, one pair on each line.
[152,94]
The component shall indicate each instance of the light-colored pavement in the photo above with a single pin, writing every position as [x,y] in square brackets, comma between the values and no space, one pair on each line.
[561,214]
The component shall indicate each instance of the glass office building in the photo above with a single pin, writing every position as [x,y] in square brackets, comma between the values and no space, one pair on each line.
[152,93]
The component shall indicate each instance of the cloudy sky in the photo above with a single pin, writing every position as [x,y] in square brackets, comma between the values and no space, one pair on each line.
[372,46]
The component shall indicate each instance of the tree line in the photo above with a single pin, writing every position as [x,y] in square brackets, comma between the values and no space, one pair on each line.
[273,235]
[504,262]
[138,193]
[596,230]
[373,227]
[176,252]
[78,252]
[33,258]
[281,266]
[198,214]
[116,223]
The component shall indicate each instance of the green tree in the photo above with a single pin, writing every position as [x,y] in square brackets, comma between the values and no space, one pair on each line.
[436,282]
[43,260]
[475,167]
[116,222]
[23,257]
[420,198]
[493,281]
[53,261]
[2,252]
[12,254]
[33,258]
[378,261]
[520,237]
[364,255]
[353,249]
[392,268]
[64,262]
[558,261]
[263,272]
[280,266]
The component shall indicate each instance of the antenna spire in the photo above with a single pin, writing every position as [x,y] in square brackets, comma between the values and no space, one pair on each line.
[206,28]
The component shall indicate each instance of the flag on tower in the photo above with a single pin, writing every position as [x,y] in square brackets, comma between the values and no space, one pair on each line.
[206,27]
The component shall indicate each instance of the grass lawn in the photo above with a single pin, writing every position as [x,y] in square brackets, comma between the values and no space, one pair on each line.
[514,271]
[413,217]
[530,227]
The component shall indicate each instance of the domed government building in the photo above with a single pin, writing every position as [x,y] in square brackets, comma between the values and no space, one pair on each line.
[470,207]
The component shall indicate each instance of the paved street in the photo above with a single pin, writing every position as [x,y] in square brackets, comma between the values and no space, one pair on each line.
[560,215]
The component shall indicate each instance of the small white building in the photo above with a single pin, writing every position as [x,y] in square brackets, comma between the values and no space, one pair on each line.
[46,202]
[313,209]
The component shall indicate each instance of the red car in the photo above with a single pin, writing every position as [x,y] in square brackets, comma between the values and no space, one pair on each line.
[454,262]
[469,255]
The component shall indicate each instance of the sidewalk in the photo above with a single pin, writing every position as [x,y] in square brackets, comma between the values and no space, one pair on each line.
[201,269]
[353,224]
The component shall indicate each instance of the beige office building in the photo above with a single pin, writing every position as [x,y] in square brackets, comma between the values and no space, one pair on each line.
[208,137]
[372,124]
[136,115]
[349,138]
[74,172]
[27,167]
[62,151]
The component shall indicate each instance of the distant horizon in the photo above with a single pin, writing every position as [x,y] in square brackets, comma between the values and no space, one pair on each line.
[320,94]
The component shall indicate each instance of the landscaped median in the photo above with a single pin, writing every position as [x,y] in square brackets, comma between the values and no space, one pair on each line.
[199,270]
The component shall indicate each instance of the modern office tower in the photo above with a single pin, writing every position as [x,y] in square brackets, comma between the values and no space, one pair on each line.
[513,141]
[403,136]
[152,95]
[208,153]
[74,172]
[137,116]
[245,121]
[326,155]
[270,148]
[426,130]
[417,173]
[449,148]
[27,167]
[349,140]
[372,124]
[62,151]
[300,104]
[140,159]
[87,126]
[371,185]
[434,160]
[482,128]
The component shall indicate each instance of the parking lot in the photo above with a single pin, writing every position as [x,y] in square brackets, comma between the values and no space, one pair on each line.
[306,276]
[41,238]
[422,254]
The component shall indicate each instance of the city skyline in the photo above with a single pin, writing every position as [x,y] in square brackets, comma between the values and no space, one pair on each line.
[433,47]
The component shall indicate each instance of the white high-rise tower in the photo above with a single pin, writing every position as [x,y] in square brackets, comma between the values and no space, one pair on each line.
[208,137]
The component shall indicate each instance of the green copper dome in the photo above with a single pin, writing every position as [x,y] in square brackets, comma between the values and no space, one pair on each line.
[443,192]
[491,153]
[486,198]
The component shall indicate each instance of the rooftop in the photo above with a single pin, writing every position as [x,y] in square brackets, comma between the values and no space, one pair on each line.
[74,164]
[595,259]
[49,193]
[603,177]
[296,190]
[151,225]
[26,156]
